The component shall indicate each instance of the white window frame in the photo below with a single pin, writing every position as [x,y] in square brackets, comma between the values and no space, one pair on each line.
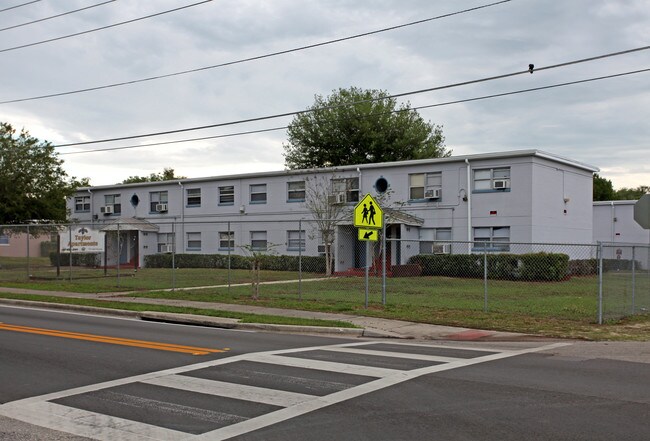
[193,241]
[81,204]
[165,239]
[296,240]
[193,195]
[258,193]
[257,239]
[226,240]
[492,238]
[425,181]
[115,200]
[296,191]
[227,195]
[349,186]
[431,236]
[485,178]
[157,197]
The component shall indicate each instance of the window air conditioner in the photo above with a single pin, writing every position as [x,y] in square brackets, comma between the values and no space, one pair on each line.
[500,184]
[107,209]
[161,208]
[321,249]
[442,248]
[340,198]
[166,249]
[433,193]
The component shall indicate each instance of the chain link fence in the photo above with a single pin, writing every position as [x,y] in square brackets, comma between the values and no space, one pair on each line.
[293,261]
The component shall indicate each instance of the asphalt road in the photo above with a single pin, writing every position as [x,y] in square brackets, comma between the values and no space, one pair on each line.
[77,376]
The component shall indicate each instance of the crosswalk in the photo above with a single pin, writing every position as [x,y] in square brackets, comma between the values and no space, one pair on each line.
[221,399]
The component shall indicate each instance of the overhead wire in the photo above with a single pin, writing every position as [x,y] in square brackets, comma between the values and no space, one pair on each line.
[55,16]
[466,100]
[76,34]
[399,95]
[19,6]
[254,58]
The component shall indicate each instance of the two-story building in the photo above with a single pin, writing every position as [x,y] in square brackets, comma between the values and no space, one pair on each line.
[520,196]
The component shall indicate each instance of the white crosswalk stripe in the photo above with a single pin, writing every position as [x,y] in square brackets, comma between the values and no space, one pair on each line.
[363,379]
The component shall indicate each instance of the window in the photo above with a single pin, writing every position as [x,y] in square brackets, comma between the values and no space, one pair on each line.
[165,242]
[423,185]
[158,201]
[348,187]
[492,179]
[432,239]
[193,197]
[114,200]
[258,240]
[81,204]
[296,191]
[227,240]
[227,195]
[296,240]
[4,239]
[492,238]
[258,193]
[194,241]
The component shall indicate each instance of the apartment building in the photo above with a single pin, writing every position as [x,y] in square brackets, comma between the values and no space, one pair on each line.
[516,196]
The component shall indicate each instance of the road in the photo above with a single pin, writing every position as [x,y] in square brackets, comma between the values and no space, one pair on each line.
[70,377]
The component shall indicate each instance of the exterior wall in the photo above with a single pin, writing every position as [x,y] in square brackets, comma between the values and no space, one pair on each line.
[614,223]
[531,208]
[16,245]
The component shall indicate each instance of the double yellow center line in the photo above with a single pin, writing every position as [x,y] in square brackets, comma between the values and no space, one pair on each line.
[112,340]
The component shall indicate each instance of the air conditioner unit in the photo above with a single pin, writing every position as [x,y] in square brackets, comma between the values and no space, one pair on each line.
[161,208]
[441,248]
[167,248]
[340,198]
[433,193]
[321,249]
[107,209]
[500,184]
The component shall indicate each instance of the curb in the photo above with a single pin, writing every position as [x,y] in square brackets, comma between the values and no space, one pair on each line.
[196,320]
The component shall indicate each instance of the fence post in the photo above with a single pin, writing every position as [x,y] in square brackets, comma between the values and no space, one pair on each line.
[299,259]
[29,263]
[367,269]
[383,260]
[118,255]
[173,256]
[633,279]
[485,280]
[233,242]
[600,283]
[70,253]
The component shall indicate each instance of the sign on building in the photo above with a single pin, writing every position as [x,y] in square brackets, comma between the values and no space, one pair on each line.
[82,240]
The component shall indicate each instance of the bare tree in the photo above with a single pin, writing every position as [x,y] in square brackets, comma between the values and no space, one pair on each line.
[327,213]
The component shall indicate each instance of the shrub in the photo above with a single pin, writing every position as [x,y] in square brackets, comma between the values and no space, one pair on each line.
[269,262]
[91,260]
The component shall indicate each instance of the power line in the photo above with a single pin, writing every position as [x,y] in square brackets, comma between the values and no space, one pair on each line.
[255,58]
[54,16]
[19,6]
[399,95]
[103,27]
[467,100]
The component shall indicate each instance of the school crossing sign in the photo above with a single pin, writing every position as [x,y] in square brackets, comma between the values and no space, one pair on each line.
[368,214]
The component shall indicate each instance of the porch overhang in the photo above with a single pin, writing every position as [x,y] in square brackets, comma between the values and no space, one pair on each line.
[131,224]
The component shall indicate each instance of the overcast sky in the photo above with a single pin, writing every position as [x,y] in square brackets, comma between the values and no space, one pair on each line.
[603,123]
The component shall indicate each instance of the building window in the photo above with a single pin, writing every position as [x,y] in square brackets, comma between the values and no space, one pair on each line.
[258,194]
[296,240]
[194,241]
[81,204]
[258,240]
[193,197]
[158,201]
[114,201]
[296,191]
[4,239]
[491,179]
[432,240]
[425,185]
[346,188]
[227,195]
[492,238]
[165,242]
[227,240]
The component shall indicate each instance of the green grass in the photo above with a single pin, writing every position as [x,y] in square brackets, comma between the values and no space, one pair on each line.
[558,309]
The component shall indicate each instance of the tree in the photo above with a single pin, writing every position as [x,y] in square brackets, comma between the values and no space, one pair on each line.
[166,175]
[630,194]
[355,126]
[33,184]
[603,189]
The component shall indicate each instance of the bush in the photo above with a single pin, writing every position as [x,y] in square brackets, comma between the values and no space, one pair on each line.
[505,266]
[269,262]
[91,260]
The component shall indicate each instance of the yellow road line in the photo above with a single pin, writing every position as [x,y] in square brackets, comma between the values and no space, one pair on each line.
[112,340]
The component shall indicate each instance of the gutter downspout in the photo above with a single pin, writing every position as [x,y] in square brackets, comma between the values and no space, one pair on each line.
[92,212]
[469,207]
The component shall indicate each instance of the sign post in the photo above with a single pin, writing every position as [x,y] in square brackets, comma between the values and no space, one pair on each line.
[369,219]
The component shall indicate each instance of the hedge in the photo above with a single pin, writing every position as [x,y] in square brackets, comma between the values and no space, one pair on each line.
[83,259]
[529,267]
[314,264]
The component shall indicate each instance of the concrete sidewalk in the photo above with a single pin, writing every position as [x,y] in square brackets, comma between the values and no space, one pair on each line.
[367,326]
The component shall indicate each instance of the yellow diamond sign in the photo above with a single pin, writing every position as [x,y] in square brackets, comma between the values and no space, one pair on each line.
[368,213]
